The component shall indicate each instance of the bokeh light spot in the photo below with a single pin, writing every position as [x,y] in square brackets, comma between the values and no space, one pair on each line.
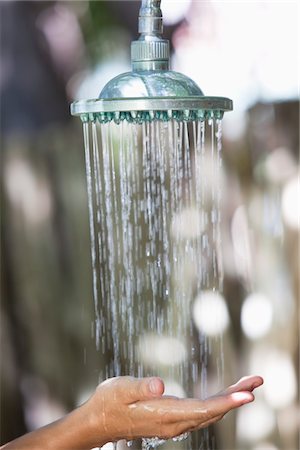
[256,316]
[210,313]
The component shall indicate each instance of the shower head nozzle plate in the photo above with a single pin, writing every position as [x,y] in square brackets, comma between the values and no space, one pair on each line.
[139,110]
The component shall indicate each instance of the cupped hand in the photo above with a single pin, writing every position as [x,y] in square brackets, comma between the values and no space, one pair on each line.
[131,408]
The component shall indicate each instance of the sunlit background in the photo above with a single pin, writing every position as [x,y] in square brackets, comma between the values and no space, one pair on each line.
[54,52]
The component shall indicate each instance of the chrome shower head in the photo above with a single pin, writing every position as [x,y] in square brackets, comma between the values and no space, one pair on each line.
[151,91]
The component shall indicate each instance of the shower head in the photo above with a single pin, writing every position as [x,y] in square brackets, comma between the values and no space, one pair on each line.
[151,91]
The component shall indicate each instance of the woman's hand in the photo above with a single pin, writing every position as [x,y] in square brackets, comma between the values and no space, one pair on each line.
[131,408]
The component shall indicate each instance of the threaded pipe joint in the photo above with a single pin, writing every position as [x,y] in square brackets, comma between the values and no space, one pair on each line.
[151,51]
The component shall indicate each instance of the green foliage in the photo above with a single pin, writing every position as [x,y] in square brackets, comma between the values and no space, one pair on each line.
[97,26]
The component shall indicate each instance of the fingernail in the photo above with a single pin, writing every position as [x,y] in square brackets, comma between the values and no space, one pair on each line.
[244,397]
[257,384]
[250,400]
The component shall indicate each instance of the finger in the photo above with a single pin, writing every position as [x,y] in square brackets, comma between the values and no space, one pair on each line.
[171,410]
[248,383]
[139,389]
[222,404]
[129,389]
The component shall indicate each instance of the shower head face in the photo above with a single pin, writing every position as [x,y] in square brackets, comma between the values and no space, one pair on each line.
[147,109]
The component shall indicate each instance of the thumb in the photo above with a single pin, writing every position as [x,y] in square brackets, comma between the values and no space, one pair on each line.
[144,388]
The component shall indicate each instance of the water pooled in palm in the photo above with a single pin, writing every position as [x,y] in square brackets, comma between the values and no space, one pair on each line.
[154,194]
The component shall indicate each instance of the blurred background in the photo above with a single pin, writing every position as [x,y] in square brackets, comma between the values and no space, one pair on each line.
[54,52]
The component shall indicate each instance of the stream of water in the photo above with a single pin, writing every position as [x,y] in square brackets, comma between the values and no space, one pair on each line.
[154,193]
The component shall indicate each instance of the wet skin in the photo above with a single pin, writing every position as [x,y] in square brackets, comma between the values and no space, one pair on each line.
[130,408]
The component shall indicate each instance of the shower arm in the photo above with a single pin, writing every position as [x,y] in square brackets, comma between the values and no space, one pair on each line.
[150,18]
[150,51]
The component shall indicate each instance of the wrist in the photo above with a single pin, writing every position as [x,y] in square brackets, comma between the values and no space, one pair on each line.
[86,428]
[94,426]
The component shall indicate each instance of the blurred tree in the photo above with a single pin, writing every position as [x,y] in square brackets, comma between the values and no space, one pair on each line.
[32,93]
[46,307]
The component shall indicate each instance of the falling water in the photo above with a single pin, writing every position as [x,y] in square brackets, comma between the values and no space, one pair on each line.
[154,194]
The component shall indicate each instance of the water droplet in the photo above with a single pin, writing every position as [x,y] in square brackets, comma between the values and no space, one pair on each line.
[181,437]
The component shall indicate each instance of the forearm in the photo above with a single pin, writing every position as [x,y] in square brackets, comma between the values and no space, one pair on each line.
[74,431]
